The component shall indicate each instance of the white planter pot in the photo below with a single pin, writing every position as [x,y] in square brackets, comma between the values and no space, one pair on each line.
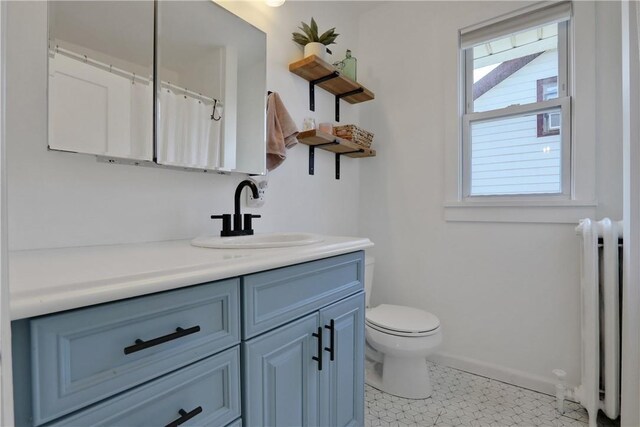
[314,48]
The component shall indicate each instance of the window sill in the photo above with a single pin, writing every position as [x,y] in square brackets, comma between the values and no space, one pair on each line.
[529,211]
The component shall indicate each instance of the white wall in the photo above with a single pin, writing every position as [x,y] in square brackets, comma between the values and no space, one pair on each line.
[507,294]
[61,199]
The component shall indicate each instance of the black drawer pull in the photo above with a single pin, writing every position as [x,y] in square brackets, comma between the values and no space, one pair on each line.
[318,358]
[179,333]
[331,348]
[184,417]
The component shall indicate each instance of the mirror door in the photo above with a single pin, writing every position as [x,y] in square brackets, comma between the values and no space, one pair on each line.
[211,92]
[101,78]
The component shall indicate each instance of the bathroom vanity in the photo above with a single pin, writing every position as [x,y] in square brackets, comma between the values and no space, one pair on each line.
[170,334]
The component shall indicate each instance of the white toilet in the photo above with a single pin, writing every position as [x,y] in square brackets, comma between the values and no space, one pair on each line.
[399,339]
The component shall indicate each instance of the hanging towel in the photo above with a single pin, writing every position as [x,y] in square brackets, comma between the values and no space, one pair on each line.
[281,131]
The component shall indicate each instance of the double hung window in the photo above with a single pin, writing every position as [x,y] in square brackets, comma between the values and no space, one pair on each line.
[516,122]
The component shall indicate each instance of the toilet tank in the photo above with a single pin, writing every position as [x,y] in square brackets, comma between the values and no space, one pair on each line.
[369,262]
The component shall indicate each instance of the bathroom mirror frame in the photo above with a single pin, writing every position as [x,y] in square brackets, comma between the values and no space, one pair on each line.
[262,101]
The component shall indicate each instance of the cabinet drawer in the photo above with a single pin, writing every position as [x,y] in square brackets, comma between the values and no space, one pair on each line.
[83,356]
[208,390]
[275,297]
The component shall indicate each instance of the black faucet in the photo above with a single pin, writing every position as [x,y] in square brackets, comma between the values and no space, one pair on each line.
[238,229]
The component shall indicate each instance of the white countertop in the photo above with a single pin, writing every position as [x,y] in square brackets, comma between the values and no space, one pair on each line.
[50,280]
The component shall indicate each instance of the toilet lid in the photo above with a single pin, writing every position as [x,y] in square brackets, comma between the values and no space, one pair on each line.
[402,319]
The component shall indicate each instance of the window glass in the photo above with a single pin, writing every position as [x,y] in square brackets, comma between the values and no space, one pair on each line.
[506,70]
[509,157]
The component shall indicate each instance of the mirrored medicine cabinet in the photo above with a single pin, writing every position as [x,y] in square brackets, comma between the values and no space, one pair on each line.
[171,83]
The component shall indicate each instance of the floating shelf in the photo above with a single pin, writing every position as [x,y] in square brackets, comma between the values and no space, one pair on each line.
[325,75]
[340,146]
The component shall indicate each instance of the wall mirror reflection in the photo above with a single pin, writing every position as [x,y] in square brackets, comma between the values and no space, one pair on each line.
[211,95]
[100,78]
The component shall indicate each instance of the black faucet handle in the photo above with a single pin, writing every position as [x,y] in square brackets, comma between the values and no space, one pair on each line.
[226,223]
[247,223]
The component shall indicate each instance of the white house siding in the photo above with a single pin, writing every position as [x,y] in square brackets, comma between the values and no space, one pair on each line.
[507,156]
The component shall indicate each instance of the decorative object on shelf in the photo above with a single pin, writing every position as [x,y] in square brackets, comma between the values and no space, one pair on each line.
[275,3]
[354,134]
[281,131]
[348,67]
[321,73]
[326,128]
[328,142]
[308,123]
[313,43]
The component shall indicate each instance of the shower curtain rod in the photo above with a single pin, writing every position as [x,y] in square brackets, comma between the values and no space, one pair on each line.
[107,67]
[132,76]
[199,96]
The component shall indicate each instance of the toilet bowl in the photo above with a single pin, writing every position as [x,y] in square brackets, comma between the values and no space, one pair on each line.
[399,339]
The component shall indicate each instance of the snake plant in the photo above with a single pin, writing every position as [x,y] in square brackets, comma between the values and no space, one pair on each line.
[310,34]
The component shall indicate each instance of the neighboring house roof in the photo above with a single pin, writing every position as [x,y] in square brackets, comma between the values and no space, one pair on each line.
[501,73]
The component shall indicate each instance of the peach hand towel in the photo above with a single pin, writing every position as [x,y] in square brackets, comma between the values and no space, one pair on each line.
[281,131]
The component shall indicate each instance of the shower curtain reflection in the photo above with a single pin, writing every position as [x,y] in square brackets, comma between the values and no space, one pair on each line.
[188,135]
[95,109]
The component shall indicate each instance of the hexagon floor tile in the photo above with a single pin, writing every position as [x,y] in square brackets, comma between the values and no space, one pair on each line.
[463,399]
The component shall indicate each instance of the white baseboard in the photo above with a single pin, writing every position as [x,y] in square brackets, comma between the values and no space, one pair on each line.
[496,372]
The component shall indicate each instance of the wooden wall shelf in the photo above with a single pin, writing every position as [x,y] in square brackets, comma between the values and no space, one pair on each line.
[334,144]
[325,75]
[340,146]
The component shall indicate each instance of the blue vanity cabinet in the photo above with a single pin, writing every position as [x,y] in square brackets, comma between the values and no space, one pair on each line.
[310,371]
[342,382]
[281,347]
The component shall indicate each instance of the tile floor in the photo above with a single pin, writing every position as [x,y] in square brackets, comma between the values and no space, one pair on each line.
[463,399]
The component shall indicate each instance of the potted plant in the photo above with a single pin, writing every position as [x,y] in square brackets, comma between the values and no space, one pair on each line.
[313,43]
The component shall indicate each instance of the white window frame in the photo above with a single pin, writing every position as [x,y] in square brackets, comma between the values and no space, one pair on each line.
[563,102]
[583,202]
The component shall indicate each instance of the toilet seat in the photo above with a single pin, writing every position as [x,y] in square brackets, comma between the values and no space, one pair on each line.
[402,321]
[402,334]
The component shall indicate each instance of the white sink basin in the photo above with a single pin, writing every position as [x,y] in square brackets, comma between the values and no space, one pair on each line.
[257,241]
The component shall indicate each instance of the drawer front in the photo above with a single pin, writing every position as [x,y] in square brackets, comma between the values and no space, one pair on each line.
[236,423]
[207,393]
[273,298]
[83,356]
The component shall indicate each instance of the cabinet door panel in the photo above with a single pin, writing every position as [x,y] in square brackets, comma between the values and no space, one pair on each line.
[281,378]
[342,381]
